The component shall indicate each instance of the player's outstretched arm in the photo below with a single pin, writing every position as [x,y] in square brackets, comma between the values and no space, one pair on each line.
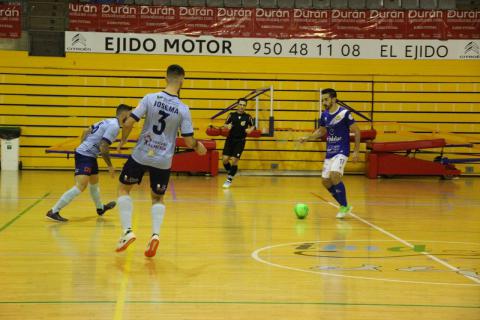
[228,122]
[105,152]
[320,132]
[250,125]
[126,130]
[250,129]
[196,145]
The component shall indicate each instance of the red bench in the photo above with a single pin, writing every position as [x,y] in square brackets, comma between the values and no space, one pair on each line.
[383,161]
[187,160]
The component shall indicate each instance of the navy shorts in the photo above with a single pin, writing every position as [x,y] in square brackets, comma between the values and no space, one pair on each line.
[85,165]
[132,173]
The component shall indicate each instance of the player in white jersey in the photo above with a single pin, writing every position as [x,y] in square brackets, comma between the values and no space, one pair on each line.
[95,141]
[164,115]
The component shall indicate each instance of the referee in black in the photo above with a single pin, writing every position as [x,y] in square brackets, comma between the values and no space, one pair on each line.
[240,124]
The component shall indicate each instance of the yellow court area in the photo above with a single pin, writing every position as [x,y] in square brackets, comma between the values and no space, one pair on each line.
[410,250]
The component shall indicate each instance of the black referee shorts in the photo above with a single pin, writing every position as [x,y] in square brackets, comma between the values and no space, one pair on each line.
[234,148]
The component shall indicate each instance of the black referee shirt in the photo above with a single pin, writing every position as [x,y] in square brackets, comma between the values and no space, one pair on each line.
[239,122]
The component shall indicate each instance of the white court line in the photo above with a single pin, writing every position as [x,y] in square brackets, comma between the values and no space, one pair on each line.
[256,255]
[391,235]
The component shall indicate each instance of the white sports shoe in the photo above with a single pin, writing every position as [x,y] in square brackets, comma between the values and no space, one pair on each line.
[152,246]
[227,184]
[125,240]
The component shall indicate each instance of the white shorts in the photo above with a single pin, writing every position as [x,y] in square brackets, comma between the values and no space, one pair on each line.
[336,163]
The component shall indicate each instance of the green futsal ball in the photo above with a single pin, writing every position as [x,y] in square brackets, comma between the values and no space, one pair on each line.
[301,210]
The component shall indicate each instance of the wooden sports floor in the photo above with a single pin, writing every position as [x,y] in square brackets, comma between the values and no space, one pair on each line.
[411,250]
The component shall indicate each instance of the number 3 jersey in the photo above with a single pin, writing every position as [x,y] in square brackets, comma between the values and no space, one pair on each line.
[338,131]
[164,115]
[104,130]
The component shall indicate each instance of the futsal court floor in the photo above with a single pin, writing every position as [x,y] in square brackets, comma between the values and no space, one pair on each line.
[410,250]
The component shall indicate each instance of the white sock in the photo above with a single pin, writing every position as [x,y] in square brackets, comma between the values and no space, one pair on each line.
[95,194]
[158,212]
[66,198]
[125,206]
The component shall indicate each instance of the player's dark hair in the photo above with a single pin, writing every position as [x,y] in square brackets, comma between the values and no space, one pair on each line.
[331,92]
[242,100]
[175,71]
[123,107]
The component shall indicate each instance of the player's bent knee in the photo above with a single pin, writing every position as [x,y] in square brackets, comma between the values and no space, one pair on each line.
[326,183]
[156,198]
[81,183]
[335,177]
[124,189]
[93,179]
[81,186]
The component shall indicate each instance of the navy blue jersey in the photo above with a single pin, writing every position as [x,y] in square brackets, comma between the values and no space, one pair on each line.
[338,131]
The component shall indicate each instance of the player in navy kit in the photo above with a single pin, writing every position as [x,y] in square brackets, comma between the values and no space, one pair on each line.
[95,140]
[336,122]
[240,124]
[165,115]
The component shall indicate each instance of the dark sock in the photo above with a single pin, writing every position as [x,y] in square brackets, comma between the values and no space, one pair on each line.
[333,193]
[233,171]
[341,194]
[227,166]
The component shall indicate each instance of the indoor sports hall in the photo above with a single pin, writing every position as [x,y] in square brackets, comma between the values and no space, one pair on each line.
[271,245]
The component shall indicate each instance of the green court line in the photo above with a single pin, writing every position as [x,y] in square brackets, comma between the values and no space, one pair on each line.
[9,223]
[345,304]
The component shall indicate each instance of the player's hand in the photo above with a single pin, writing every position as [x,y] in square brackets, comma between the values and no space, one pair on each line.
[111,170]
[200,149]
[356,156]
[302,139]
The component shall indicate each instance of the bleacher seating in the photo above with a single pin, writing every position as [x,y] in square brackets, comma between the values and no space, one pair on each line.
[374,4]
[339,4]
[392,4]
[356,4]
[314,4]
[428,4]
[446,4]
[286,4]
[410,4]
[321,4]
[303,4]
